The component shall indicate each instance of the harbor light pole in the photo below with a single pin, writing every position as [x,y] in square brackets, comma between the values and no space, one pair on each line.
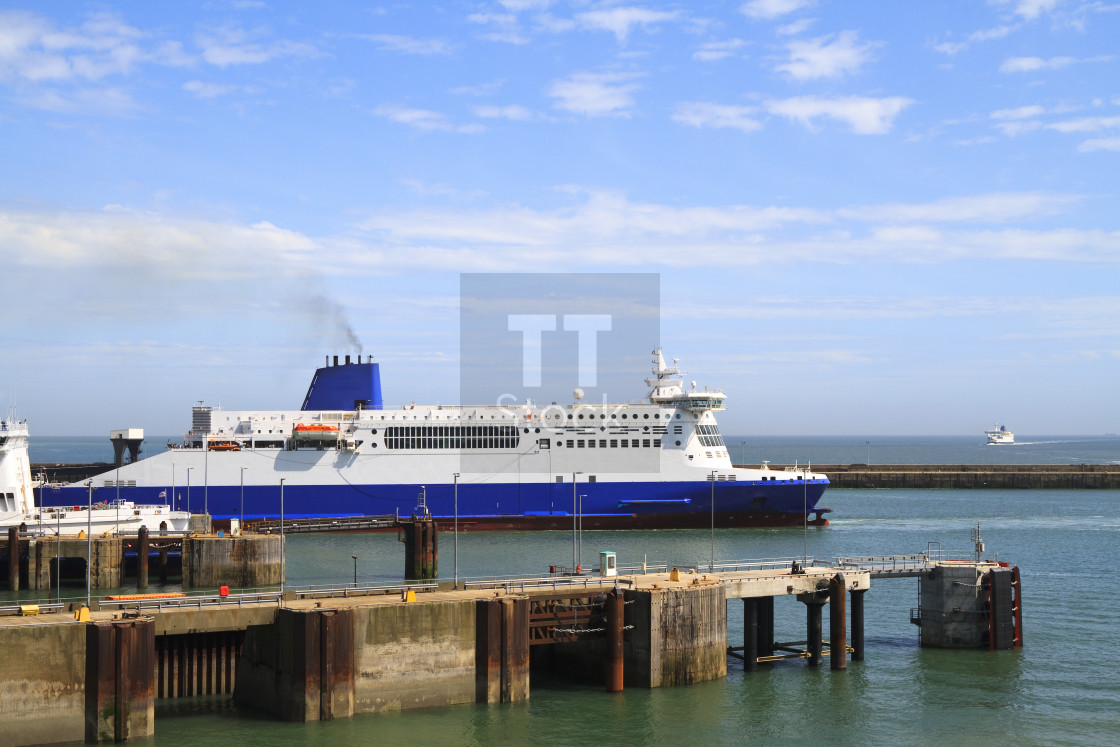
[189,489]
[282,540]
[242,524]
[574,514]
[712,562]
[355,557]
[456,534]
[89,541]
[174,503]
[868,453]
[581,497]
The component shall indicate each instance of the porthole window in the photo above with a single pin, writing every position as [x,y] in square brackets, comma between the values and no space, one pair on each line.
[580,416]
[646,416]
[613,416]
[678,443]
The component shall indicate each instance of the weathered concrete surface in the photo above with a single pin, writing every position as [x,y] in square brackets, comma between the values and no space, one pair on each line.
[246,561]
[770,583]
[954,605]
[414,655]
[42,697]
[213,619]
[679,635]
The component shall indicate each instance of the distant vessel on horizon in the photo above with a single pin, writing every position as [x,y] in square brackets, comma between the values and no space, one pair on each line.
[1000,436]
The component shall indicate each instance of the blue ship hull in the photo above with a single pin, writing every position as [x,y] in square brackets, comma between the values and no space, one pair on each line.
[506,506]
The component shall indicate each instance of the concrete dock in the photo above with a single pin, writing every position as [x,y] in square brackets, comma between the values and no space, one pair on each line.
[323,654]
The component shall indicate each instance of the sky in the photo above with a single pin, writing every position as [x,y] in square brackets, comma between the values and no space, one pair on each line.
[867,218]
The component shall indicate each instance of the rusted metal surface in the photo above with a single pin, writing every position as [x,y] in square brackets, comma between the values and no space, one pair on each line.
[196,663]
[142,558]
[616,612]
[515,650]
[857,624]
[488,650]
[120,687]
[837,623]
[563,618]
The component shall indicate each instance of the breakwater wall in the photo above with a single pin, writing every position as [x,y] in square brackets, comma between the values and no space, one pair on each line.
[966,476]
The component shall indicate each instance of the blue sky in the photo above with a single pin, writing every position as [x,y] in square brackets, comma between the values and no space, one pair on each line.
[868,218]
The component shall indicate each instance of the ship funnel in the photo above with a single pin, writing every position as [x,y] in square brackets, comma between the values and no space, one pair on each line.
[347,360]
[336,360]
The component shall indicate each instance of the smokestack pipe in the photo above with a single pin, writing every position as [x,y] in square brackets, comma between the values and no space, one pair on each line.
[347,360]
[336,360]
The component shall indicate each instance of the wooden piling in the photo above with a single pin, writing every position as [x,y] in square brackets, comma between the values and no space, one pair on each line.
[837,614]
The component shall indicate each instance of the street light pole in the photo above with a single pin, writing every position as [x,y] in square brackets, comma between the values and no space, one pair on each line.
[282,569]
[574,514]
[456,530]
[581,497]
[89,541]
[712,563]
[242,524]
[355,557]
[189,489]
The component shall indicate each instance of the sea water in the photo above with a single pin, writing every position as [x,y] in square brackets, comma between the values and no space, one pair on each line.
[1060,688]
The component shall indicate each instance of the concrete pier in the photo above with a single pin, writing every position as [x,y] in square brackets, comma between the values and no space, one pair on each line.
[249,560]
[327,654]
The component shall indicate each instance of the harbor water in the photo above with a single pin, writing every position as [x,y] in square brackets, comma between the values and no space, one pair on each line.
[1059,689]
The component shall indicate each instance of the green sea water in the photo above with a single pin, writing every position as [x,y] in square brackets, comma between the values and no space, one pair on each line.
[1061,688]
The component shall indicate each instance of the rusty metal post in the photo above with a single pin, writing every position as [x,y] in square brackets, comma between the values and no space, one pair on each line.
[488,650]
[162,565]
[13,558]
[837,620]
[515,650]
[616,612]
[857,624]
[750,633]
[142,558]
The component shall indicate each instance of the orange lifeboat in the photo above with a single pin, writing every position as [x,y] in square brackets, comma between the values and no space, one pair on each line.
[316,428]
[225,446]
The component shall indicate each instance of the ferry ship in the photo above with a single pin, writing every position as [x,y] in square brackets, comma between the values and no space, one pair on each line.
[1000,436]
[82,515]
[657,463]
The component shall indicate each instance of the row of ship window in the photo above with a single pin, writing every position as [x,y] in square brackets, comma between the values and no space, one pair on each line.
[602,443]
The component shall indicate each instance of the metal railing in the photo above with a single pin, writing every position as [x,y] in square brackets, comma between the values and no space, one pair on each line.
[361,591]
[544,582]
[193,602]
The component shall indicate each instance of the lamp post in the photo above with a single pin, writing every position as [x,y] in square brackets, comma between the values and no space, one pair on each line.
[868,453]
[581,497]
[355,557]
[456,498]
[189,489]
[282,540]
[712,562]
[174,502]
[89,541]
[242,499]
[206,479]
[574,515]
[805,516]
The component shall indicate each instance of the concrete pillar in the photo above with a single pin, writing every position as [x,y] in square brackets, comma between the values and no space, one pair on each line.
[616,611]
[837,622]
[249,560]
[13,558]
[162,565]
[857,624]
[750,633]
[120,681]
[40,553]
[107,563]
[142,558]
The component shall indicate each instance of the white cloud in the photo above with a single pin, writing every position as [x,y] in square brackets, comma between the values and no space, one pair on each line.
[994,207]
[31,48]
[1022,112]
[505,25]
[718,50]
[1016,128]
[513,112]
[866,116]
[110,101]
[1030,64]
[1031,9]
[826,56]
[704,114]
[207,90]
[1085,124]
[1104,143]
[228,45]
[596,94]
[770,9]
[795,28]
[425,120]
[619,21]
[409,44]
